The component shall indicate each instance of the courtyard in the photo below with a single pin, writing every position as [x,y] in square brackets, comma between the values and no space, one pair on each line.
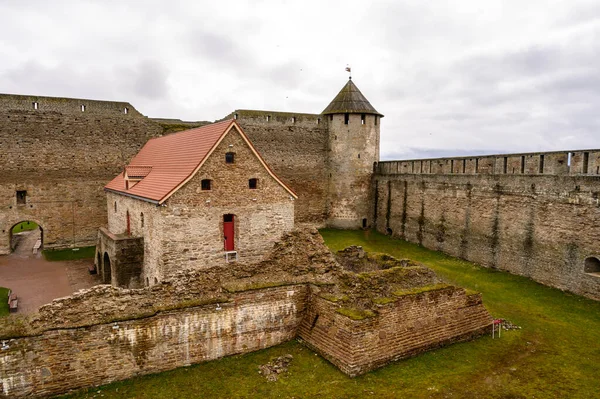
[37,281]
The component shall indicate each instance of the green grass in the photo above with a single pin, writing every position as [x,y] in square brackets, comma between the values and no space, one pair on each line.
[24,226]
[4,301]
[555,355]
[69,254]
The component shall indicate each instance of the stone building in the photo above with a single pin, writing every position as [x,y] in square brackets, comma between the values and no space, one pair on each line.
[190,200]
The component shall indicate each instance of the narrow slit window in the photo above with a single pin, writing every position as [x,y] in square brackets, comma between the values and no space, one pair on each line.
[375,120]
[586,161]
[331,117]
[253,183]
[230,157]
[115,206]
[235,116]
[205,184]
[21,197]
[125,110]
[293,119]
[35,105]
[142,219]
[505,165]
[346,119]
[522,164]
[268,118]
[318,121]
[362,119]
[541,163]
[82,108]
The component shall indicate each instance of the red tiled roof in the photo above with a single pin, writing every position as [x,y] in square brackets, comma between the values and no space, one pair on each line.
[166,163]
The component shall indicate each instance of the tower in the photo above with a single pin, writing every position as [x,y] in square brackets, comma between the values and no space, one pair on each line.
[353,151]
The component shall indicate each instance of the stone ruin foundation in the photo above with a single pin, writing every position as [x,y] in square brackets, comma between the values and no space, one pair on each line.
[358,310]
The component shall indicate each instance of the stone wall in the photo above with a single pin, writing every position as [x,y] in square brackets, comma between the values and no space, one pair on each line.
[295,146]
[62,157]
[543,226]
[59,360]
[410,325]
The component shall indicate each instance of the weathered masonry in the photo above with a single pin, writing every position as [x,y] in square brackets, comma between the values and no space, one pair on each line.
[55,156]
[62,151]
[534,214]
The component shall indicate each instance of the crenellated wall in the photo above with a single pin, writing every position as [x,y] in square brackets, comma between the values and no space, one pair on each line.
[539,222]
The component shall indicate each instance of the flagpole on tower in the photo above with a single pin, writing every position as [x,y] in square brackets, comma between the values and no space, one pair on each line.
[349,70]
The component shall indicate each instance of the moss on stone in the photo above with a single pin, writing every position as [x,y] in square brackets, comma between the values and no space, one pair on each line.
[356,314]
[335,298]
[420,290]
[384,300]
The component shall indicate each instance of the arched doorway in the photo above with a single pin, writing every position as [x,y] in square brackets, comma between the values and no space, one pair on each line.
[592,265]
[26,238]
[106,279]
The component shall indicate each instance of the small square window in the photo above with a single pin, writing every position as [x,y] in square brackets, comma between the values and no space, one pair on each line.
[229,157]
[21,197]
[253,184]
[205,184]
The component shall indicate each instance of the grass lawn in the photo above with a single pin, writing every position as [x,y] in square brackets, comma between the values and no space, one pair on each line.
[3,301]
[69,254]
[24,226]
[556,354]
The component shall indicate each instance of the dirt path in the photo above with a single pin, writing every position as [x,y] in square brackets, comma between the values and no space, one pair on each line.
[37,281]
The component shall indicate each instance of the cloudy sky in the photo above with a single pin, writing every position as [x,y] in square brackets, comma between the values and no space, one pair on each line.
[452,78]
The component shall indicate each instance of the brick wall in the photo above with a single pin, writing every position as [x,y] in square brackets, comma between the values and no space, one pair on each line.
[410,325]
[539,226]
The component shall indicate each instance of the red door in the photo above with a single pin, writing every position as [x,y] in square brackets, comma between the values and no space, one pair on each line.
[228,229]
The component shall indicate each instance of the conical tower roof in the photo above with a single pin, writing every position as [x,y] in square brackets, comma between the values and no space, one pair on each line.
[350,101]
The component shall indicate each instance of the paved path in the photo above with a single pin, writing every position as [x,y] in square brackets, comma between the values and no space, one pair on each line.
[37,281]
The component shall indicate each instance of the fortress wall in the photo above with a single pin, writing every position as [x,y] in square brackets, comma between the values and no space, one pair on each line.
[59,360]
[541,226]
[406,327]
[296,149]
[71,106]
[63,160]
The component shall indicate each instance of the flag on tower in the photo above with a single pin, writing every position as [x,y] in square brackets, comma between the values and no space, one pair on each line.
[348,69]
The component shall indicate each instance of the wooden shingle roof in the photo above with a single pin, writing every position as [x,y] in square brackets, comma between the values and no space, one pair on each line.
[350,101]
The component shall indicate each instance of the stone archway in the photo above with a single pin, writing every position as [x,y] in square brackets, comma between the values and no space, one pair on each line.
[106,272]
[26,238]
[592,265]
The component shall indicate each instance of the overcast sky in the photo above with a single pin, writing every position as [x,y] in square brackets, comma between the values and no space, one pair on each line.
[452,78]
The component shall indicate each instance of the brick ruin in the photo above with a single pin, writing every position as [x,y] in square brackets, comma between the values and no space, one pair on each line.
[358,321]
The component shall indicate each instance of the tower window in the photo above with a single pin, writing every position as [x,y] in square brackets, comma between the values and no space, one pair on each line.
[253,183]
[205,184]
[293,119]
[346,119]
[235,116]
[331,117]
[35,105]
[82,108]
[362,119]
[268,118]
[21,197]
[125,110]
[318,121]
[375,120]
[229,157]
